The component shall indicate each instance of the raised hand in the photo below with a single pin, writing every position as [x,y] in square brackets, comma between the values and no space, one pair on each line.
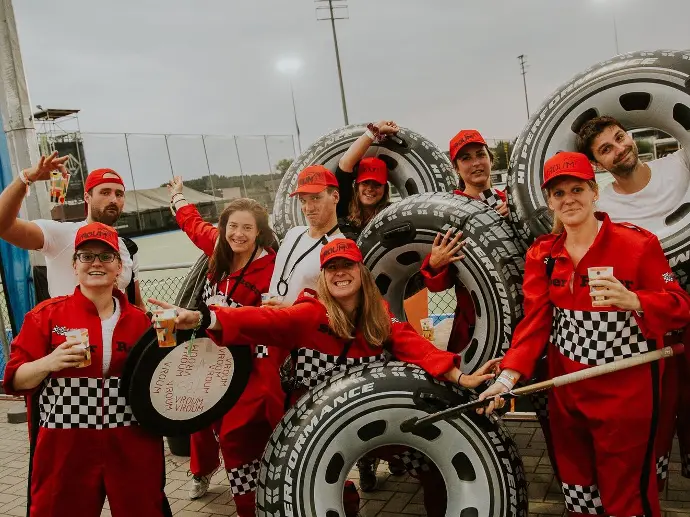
[46,164]
[445,250]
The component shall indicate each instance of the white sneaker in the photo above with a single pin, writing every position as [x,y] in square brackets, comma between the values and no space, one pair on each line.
[199,486]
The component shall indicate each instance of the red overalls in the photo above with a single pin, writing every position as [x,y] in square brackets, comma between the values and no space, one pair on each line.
[245,429]
[85,443]
[603,429]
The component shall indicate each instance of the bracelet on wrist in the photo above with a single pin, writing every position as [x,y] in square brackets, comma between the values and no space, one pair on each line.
[370,135]
[375,131]
[177,194]
[459,377]
[26,181]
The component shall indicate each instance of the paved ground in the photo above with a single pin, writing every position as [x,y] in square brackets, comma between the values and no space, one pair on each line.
[399,495]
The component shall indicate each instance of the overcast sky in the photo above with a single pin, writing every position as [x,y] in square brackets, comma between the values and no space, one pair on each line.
[209,66]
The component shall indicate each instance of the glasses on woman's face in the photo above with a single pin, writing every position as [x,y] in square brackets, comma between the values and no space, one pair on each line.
[88,257]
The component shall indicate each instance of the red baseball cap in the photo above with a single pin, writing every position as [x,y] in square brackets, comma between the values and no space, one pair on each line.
[566,163]
[340,248]
[99,176]
[97,232]
[464,137]
[372,168]
[314,179]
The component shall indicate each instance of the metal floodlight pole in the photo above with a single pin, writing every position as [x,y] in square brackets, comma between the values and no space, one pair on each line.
[332,18]
[294,112]
[615,33]
[521,58]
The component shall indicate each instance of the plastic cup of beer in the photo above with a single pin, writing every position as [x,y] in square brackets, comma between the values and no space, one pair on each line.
[427,325]
[164,323]
[58,186]
[83,336]
[596,272]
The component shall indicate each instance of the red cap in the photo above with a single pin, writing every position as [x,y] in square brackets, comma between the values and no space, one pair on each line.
[340,248]
[565,163]
[314,179]
[372,168]
[464,137]
[100,176]
[97,232]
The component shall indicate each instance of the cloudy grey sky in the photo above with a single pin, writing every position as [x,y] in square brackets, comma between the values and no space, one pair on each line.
[209,66]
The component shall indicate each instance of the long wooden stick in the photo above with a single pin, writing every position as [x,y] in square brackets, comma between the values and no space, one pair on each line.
[415,423]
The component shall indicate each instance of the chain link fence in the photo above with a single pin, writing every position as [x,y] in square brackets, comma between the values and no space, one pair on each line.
[163,289]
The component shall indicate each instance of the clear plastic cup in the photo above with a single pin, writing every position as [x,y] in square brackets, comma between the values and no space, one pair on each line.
[596,272]
[83,336]
[164,323]
[58,186]
[427,325]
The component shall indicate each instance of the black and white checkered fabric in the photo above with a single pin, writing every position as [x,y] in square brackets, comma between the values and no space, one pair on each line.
[243,479]
[313,367]
[662,467]
[490,197]
[685,465]
[260,351]
[83,402]
[212,290]
[414,461]
[583,499]
[597,337]
[540,402]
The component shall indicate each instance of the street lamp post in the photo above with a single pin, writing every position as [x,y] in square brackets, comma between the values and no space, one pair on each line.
[289,67]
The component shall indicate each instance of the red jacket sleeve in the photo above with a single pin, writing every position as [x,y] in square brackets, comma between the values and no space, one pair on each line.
[665,305]
[436,280]
[412,348]
[32,343]
[204,235]
[534,331]
[280,327]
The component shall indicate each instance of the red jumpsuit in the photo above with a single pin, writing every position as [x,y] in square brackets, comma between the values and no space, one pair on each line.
[85,443]
[306,322]
[244,431]
[603,429]
[442,279]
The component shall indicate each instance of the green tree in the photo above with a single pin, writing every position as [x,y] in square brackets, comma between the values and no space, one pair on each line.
[502,153]
[283,165]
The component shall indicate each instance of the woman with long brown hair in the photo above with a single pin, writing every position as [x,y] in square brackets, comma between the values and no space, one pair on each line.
[240,266]
[363,181]
[344,323]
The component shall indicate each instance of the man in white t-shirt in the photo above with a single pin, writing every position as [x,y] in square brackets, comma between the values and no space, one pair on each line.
[104,195]
[648,195]
[297,263]
[645,194]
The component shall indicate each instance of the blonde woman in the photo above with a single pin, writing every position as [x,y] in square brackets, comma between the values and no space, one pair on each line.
[344,323]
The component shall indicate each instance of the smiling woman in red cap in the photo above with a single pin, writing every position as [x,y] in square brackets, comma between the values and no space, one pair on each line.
[472,160]
[596,292]
[67,360]
[344,322]
[362,199]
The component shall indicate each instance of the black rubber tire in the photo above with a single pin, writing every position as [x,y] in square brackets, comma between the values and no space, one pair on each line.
[189,295]
[418,166]
[150,356]
[640,89]
[396,241]
[311,451]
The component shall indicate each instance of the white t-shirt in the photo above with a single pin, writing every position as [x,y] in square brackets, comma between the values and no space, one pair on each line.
[306,271]
[650,206]
[107,331]
[58,248]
